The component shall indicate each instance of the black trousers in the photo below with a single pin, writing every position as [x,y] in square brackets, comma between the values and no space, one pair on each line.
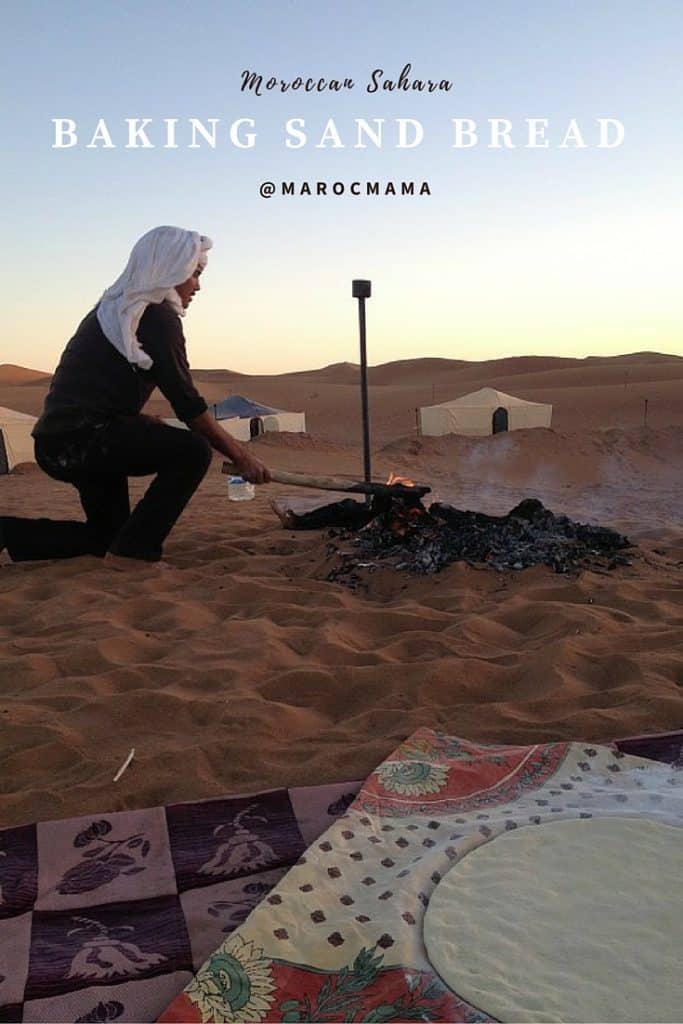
[98,460]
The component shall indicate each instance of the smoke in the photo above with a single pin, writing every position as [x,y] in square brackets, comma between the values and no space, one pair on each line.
[491,473]
[632,482]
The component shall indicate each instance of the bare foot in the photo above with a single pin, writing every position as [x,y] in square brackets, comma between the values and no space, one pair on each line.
[122,564]
[285,515]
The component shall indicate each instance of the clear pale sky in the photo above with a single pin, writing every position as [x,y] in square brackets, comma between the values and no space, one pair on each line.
[567,252]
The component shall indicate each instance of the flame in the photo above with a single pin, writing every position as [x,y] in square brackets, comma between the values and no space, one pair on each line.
[403,480]
[403,516]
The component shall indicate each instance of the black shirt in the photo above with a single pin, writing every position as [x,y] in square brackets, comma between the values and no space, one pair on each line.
[94,382]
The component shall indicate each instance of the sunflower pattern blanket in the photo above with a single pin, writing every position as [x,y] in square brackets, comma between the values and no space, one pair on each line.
[340,937]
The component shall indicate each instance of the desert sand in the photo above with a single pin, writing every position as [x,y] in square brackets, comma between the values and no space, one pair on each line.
[243,668]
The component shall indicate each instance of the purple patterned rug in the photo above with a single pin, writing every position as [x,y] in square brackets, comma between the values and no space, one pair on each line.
[107,919]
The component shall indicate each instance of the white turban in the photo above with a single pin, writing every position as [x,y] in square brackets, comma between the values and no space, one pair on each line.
[160,260]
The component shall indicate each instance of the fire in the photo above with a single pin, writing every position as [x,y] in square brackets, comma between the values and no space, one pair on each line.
[404,512]
[393,479]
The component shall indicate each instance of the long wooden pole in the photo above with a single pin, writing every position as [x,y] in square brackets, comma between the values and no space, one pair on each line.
[336,483]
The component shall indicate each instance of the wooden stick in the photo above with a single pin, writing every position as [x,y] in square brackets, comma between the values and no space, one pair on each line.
[125,765]
[337,483]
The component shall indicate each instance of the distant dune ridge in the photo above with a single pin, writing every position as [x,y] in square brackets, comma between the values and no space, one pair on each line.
[593,393]
[244,668]
[12,374]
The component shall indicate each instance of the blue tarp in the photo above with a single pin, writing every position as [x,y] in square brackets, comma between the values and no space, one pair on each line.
[238,406]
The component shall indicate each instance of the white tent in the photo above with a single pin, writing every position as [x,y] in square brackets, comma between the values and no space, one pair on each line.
[245,419]
[16,443]
[483,412]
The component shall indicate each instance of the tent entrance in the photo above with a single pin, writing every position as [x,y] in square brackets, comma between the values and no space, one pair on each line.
[256,427]
[4,461]
[500,420]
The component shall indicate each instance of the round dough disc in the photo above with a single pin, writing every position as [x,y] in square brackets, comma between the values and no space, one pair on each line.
[570,921]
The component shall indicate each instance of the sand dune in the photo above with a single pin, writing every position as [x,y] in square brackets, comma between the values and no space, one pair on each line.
[12,374]
[244,667]
[593,393]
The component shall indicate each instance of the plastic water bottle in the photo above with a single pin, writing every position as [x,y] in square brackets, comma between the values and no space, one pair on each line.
[240,489]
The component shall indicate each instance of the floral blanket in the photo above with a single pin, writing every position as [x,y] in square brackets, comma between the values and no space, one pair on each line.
[339,938]
[106,918]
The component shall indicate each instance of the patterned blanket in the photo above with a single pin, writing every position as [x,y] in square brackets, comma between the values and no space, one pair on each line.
[339,938]
[107,918]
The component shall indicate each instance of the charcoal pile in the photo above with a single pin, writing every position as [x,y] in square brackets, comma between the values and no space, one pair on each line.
[408,537]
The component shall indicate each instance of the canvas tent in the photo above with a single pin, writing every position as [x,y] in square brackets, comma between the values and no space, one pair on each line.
[483,412]
[16,443]
[245,419]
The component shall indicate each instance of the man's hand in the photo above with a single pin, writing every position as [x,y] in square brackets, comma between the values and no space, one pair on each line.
[246,464]
[252,469]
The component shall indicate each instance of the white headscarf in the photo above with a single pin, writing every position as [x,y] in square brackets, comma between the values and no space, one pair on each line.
[160,260]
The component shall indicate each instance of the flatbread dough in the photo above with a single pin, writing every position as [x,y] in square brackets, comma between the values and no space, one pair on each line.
[568,921]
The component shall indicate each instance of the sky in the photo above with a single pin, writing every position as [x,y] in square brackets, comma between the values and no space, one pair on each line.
[516,251]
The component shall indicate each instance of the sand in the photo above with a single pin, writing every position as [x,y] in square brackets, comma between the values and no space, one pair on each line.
[242,668]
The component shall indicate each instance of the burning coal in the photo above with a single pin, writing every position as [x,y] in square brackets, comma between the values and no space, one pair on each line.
[405,535]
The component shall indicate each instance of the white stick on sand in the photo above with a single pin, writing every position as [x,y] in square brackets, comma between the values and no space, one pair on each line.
[125,764]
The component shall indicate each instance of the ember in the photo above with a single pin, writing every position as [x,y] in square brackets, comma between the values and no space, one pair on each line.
[406,536]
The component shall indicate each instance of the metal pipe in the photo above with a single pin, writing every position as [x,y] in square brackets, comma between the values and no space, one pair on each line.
[362,290]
